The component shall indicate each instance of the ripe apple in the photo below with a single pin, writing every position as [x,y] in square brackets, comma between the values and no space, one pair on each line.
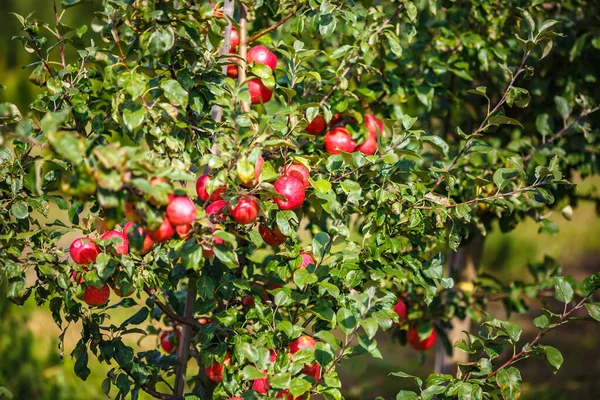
[245,211]
[307,259]
[272,237]
[412,337]
[312,370]
[259,93]
[248,301]
[316,126]
[234,39]
[262,55]
[374,125]
[203,194]
[232,69]
[122,246]
[169,341]
[261,385]
[400,309]
[369,146]
[338,139]
[299,172]
[204,321]
[303,342]
[84,251]
[236,398]
[183,231]
[216,210]
[163,233]
[207,250]
[148,242]
[215,370]
[293,191]
[181,211]
[96,297]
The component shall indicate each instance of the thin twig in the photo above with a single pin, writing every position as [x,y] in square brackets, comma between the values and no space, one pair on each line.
[171,313]
[271,28]
[61,45]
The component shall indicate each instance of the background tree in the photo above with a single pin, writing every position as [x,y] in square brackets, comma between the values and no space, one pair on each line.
[124,128]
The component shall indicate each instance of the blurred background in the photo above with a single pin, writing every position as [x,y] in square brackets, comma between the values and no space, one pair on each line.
[31,366]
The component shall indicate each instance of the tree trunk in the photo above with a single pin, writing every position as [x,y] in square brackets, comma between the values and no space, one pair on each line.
[462,267]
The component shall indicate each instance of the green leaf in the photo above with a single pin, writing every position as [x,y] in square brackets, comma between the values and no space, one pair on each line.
[438,143]
[405,394]
[594,310]
[321,185]
[302,278]
[299,386]
[81,368]
[416,379]
[502,120]
[176,94]
[503,176]
[133,115]
[347,320]
[136,318]
[69,3]
[250,372]
[425,95]
[67,145]
[551,355]
[563,290]
[319,244]
[158,40]
[19,210]
[563,107]
[370,326]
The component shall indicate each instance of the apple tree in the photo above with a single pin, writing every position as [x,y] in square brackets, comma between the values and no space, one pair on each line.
[264,186]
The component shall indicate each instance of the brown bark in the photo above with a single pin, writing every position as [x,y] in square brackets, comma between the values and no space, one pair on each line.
[462,267]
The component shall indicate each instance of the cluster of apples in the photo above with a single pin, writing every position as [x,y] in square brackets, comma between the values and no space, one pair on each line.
[262,385]
[412,336]
[259,93]
[339,139]
[84,251]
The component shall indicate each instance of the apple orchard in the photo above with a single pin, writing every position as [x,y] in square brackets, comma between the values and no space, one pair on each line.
[268,187]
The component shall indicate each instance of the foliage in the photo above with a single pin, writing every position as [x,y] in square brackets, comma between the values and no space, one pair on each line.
[139,102]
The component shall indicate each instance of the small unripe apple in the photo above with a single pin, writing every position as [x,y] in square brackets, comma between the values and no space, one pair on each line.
[216,209]
[412,337]
[293,191]
[259,93]
[316,126]
[181,210]
[338,139]
[262,55]
[169,341]
[299,172]
[307,259]
[245,211]
[261,385]
[148,242]
[163,233]
[312,370]
[400,309]
[96,297]
[203,194]
[122,245]
[272,237]
[215,370]
[234,39]
[303,342]
[84,251]
[207,250]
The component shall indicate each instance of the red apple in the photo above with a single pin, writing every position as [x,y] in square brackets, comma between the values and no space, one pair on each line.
[316,126]
[122,246]
[303,342]
[374,125]
[412,337]
[312,370]
[203,194]
[96,297]
[216,210]
[272,237]
[204,321]
[261,385]
[232,69]
[234,39]
[400,309]
[78,276]
[181,210]
[236,398]
[307,259]
[338,139]
[169,341]
[207,250]
[84,251]
[148,242]
[369,146]
[245,211]
[163,233]
[262,55]
[259,93]
[293,191]
[299,172]
[257,170]
[215,370]
[248,301]
[183,231]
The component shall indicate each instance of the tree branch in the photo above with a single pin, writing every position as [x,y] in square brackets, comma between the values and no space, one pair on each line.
[61,46]
[171,313]
[186,337]
[271,28]
[242,49]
